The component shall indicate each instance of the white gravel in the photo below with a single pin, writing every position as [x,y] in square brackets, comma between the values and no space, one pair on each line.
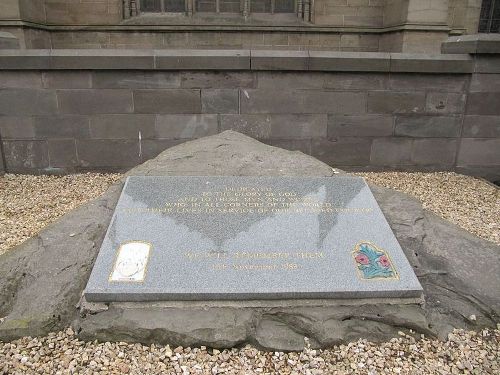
[62,353]
[28,203]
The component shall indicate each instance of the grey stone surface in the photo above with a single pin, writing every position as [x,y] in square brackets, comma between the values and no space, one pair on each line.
[167,101]
[279,60]
[473,44]
[220,101]
[62,153]
[101,59]
[67,79]
[301,101]
[481,126]
[276,126]
[185,126]
[8,41]
[122,126]
[483,103]
[396,102]
[95,101]
[62,126]
[444,103]
[218,80]
[434,152]
[489,64]
[27,102]
[220,238]
[110,154]
[349,61]
[428,126]
[478,151]
[21,155]
[202,59]
[360,125]
[391,151]
[348,151]
[135,80]
[41,280]
[408,62]
[24,59]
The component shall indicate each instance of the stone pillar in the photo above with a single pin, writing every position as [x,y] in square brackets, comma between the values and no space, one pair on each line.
[246,8]
[126,9]
[423,25]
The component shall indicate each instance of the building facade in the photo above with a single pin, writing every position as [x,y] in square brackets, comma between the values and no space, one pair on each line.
[340,25]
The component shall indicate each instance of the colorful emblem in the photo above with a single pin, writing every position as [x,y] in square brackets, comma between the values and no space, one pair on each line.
[373,262]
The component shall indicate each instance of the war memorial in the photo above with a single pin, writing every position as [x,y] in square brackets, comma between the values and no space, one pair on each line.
[238,220]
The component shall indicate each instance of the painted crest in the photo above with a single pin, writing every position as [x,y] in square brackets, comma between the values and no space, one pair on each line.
[131,262]
[373,262]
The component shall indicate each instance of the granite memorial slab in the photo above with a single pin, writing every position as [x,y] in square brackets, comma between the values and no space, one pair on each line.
[230,238]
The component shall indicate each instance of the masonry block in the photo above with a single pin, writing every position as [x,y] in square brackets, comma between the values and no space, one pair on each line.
[95,101]
[291,80]
[279,60]
[67,80]
[342,151]
[8,41]
[428,126]
[430,82]
[167,101]
[480,126]
[431,63]
[349,61]
[302,101]
[25,156]
[434,152]
[24,59]
[20,79]
[101,59]
[396,102]
[483,103]
[202,59]
[485,83]
[219,101]
[27,102]
[487,64]
[356,81]
[276,126]
[61,126]
[17,127]
[360,126]
[62,153]
[388,152]
[122,126]
[135,80]
[442,102]
[107,153]
[478,151]
[218,80]
[185,126]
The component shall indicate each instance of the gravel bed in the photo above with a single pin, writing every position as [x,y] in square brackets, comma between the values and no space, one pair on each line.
[471,203]
[28,203]
[62,353]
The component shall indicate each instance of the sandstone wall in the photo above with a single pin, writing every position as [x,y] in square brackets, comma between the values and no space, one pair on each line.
[84,111]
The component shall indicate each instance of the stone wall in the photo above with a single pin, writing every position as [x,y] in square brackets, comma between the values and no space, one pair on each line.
[63,111]
[413,26]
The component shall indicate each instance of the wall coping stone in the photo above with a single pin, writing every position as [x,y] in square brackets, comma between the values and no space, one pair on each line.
[243,59]
[8,41]
[473,44]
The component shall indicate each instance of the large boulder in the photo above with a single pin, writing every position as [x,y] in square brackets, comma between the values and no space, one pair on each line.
[41,280]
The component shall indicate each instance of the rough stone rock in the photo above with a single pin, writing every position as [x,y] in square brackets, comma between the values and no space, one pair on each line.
[41,280]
